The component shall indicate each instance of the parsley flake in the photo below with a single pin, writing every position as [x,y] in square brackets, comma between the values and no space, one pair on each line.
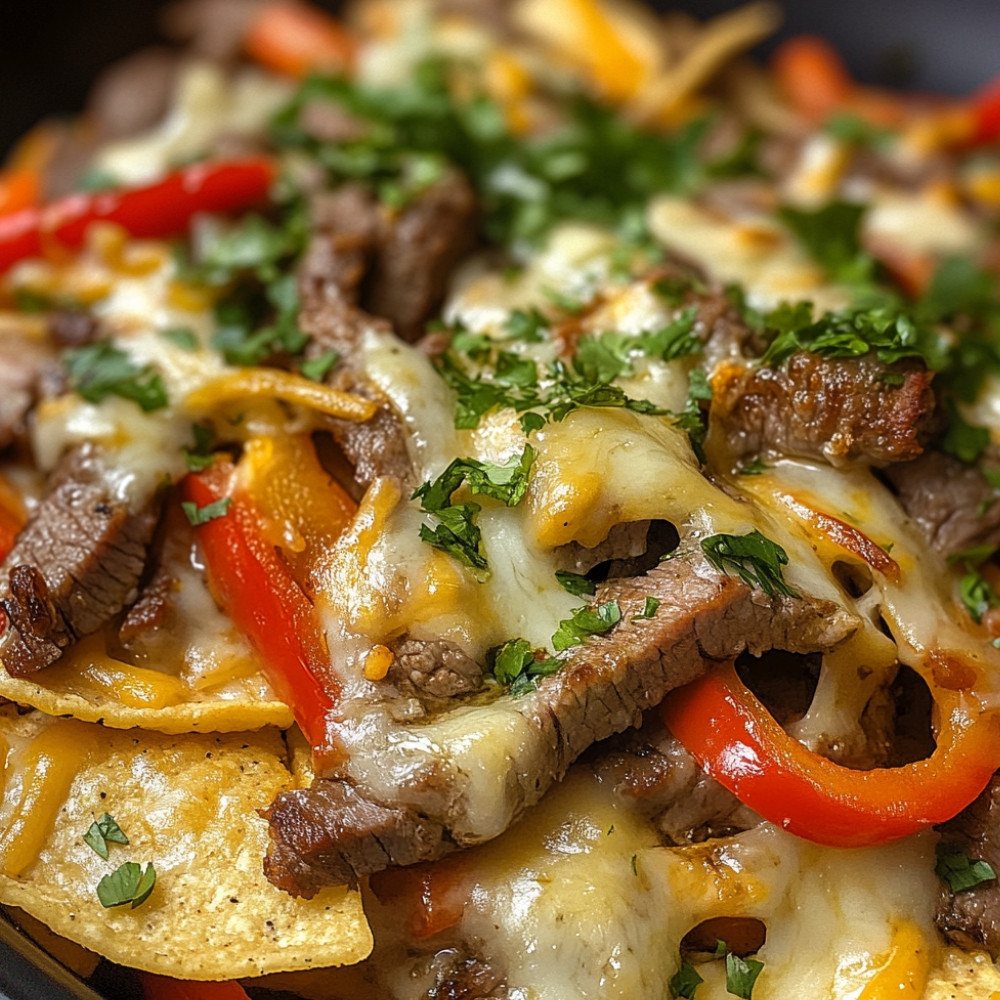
[956,868]
[102,832]
[202,515]
[648,611]
[575,583]
[754,558]
[129,883]
[101,370]
[585,622]
[684,982]
[517,665]
[741,975]
[319,367]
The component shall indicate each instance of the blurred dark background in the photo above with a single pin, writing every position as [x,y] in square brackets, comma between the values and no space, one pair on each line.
[51,50]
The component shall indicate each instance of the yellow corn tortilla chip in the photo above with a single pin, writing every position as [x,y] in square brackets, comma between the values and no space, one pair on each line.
[189,805]
[89,685]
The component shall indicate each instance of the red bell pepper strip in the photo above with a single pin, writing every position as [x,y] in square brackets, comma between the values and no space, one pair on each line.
[160,209]
[164,988]
[985,105]
[12,517]
[737,742]
[257,590]
[429,897]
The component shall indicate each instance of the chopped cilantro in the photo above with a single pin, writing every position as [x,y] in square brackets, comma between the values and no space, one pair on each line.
[648,611]
[202,515]
[183,336]
[575,584]
[563,301]
[741,975]
[456,531]
[516,665]
[129,883]
[856,131]
[526,325]
[963,440]
[585,622]
[684,982]
[755,559]
[102,832]
[850,333]
[201,455]
[101,370]
[319,367]
[977,594]
[831,236]
[956,868]
[754,468]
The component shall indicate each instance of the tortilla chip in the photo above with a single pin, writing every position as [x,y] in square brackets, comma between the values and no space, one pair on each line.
[189,805]
[89,685]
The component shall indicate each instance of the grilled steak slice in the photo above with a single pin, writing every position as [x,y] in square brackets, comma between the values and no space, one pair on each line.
[838,410]
[952,502]
[77,562]
[971,919]
[417,252]
[345,225]
[433,670]
[464,778]
[22,363]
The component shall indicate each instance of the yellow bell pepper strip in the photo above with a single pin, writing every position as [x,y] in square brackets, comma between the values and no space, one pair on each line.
[297,39]
[737,742]
[164,988]
[254,586]
[163,208]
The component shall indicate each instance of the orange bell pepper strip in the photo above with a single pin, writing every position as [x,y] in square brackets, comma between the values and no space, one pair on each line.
[296,39]
[429,897]
[737,742]
[164,988]
[12,517]
[163,208]
[811,75]
[255,587]
[19,188]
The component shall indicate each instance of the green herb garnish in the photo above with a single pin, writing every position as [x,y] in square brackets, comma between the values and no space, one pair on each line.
[202,515]
[956,868]
[102,832]
[585,622]
[755,559]
[129,883]
[101,370]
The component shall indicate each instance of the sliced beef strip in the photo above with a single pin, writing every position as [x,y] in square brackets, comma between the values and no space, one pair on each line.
[212,29]
[23,362]
[433,670]
[441,776]
[837,410]
[133,94]
[345,225]
[76,564]
[417,251]
[951,502]
[971,919]
[652,769]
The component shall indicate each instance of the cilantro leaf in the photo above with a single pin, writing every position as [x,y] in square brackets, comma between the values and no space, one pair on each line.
[684,981]
[457,534]
[129,883]
[183,336]
[741,975]
[963,440]
[319,367]
[516,665]
[648,611]
[102,832]
[202,515]
[956,868]
[575,583]
[585,622]
[99,370]
[831,236]
[754,558]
